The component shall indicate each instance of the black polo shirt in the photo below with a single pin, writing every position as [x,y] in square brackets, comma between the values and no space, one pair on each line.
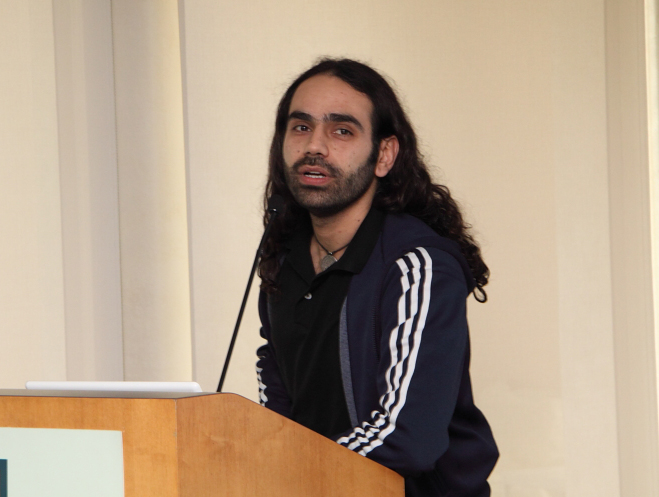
[304,319]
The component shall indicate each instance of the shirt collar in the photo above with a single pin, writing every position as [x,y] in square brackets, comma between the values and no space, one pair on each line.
[353,260]
[362,244]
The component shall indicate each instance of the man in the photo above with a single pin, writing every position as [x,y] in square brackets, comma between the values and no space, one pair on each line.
[364,284]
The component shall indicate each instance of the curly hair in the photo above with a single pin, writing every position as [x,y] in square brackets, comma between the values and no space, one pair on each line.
[407,188]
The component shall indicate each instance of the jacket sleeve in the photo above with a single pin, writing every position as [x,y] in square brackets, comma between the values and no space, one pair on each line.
[272,392]
[422,349]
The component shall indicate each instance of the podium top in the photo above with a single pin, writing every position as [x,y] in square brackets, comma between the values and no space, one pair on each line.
[100,394]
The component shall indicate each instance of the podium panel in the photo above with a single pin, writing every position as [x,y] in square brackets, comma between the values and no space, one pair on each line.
[197,445]
[61,463]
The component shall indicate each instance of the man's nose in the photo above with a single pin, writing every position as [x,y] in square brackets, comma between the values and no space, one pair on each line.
[317,144]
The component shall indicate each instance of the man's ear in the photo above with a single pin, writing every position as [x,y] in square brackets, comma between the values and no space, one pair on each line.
[387,156]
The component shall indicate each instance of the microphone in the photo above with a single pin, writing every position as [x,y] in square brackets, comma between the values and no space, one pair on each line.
[275,207]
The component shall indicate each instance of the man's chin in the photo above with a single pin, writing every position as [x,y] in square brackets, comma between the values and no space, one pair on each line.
[318,202]
[321,209]
[325,209]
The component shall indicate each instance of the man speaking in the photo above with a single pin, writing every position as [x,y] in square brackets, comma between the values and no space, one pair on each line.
[364,284]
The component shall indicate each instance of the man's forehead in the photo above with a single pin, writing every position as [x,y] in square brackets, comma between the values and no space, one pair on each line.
[323,96]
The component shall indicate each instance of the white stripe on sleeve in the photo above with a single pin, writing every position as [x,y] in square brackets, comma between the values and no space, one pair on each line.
[412,314]
[262,397]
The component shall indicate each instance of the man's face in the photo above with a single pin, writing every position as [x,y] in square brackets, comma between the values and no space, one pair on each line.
[328,151]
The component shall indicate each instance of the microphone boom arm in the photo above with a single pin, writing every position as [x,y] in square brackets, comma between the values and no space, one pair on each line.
[275,204]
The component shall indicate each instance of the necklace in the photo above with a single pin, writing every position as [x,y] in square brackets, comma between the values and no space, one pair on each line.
[329,259]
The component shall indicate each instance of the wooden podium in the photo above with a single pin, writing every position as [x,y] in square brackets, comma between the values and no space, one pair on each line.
[196,445]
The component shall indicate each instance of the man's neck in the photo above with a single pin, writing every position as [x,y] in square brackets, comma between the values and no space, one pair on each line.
[335,232]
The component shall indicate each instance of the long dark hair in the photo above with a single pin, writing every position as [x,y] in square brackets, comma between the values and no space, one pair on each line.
[407,188]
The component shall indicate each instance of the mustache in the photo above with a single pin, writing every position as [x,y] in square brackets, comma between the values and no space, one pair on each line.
[316,161]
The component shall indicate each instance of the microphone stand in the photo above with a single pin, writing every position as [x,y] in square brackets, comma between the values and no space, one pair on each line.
[275,206]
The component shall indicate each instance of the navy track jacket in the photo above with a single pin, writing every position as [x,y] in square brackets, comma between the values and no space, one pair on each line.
[404,347]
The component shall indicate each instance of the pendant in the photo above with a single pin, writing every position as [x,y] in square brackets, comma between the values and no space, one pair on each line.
[327,261]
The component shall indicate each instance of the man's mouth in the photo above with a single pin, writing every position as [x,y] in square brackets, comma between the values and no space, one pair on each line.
[313,176]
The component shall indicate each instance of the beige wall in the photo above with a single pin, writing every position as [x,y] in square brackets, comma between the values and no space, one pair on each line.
[31,274]
[142,131]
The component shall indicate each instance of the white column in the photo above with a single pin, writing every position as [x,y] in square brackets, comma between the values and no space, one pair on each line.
[152,191]
[631,248]
[90,206]
[584,272]
[652,66]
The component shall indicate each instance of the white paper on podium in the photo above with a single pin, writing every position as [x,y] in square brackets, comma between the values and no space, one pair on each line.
[63,463]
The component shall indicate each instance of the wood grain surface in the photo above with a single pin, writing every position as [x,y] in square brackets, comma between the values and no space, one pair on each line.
[211,445]
[249,451]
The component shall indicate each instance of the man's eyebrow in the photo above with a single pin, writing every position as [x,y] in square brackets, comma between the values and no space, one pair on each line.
[334,118]
[302,116]
[343,118]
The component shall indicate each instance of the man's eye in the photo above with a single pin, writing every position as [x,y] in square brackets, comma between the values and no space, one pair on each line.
[301,127]
[343,132]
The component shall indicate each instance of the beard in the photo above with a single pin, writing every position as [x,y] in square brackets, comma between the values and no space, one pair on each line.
[327,200]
